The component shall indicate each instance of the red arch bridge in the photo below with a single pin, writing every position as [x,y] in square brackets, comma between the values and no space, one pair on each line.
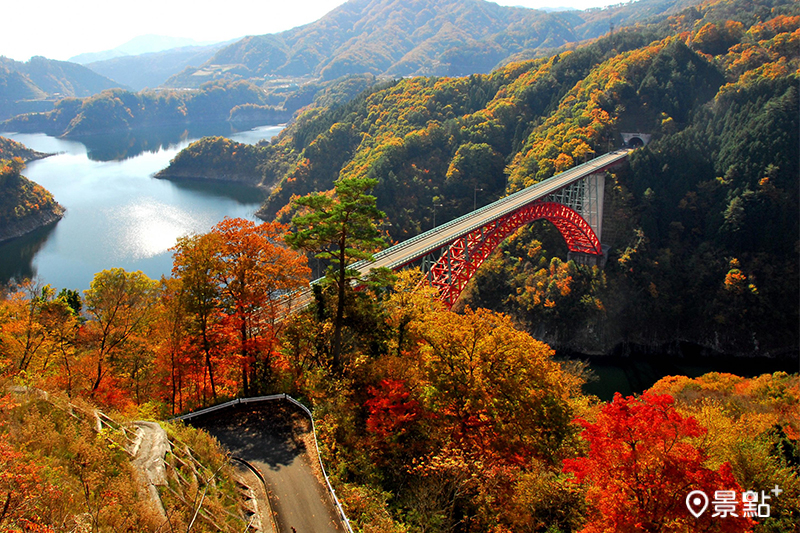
[450,254]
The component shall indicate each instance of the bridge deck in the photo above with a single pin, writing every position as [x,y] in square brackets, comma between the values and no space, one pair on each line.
[407,251]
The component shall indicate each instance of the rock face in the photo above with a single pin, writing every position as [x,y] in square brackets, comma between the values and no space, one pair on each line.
[32,222]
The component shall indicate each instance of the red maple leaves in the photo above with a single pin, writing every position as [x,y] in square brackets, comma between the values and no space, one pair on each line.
[642,463]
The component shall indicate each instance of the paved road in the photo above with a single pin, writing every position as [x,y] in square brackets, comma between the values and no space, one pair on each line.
[271,437]
[262,518]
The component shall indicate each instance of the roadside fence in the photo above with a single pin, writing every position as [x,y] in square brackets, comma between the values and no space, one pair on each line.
[306,410]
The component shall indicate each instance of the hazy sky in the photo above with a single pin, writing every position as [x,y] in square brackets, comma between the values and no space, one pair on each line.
[60,30]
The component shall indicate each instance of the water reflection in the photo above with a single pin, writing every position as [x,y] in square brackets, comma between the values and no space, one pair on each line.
[124,145]
[118,214]
[16,257]
[642,368]
[243,194]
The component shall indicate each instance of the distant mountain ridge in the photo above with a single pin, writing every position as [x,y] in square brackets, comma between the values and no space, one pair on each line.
[418,37]
[34,85]
[143,44]
[154,68]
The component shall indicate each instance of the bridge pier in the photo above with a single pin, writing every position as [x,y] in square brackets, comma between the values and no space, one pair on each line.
[585,197]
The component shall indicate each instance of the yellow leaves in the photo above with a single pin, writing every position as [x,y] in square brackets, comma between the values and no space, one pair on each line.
[580,120]
[564,286]
[736,282]
[735,410]
[652,290]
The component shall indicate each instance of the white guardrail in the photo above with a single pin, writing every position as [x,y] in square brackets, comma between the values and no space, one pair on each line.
[305,409]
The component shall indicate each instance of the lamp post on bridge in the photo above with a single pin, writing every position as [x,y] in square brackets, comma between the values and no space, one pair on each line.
[435,205]
[475,197]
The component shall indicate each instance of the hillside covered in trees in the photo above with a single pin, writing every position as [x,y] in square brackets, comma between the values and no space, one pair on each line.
[24,205]
[702,224]
[240,103]
[10,149]
[420,38]
[117,110]
[432,420]
[428,421]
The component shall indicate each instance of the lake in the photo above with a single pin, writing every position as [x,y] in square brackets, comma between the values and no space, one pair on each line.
[118,214]
[633,369]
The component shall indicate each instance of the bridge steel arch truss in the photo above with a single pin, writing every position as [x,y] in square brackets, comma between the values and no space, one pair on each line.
[576,211]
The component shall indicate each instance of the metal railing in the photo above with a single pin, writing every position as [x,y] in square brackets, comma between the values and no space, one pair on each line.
[306,410]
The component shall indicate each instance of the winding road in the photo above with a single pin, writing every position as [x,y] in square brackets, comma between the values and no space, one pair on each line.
[276,439]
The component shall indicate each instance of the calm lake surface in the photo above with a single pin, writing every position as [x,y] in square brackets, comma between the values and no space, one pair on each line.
[118,214]
[641,369]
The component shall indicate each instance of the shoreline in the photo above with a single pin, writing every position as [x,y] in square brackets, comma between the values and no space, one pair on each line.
[32,223]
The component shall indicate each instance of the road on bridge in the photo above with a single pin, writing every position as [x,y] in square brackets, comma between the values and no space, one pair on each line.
[404,252]
[276,439]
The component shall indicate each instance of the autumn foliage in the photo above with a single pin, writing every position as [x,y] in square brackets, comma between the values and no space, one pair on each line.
[641,465]
[438,421]
[209,331]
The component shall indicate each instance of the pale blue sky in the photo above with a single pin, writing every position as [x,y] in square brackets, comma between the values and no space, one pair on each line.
[62,29]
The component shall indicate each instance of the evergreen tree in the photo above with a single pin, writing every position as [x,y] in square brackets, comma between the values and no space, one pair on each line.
[340,228]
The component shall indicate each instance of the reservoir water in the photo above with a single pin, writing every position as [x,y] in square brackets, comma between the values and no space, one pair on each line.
[118,214]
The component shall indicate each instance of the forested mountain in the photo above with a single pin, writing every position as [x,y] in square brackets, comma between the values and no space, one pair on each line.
[439,421]
[10,149]
[432,420]
[238,102]
[34,85]
[423,37]
[153,68]
[702,224]
[118,110]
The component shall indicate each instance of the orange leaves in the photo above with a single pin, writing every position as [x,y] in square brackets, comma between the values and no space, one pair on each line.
[24,495]
[716,39]
[562,290]
[234,281]
[736,282]
[768,29]
[21,490]
[583,117]
[563,162]
[493,384]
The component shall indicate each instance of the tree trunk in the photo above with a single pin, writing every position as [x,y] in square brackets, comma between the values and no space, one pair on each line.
[243,351]
[207,350]
[99,372]
[337,324]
